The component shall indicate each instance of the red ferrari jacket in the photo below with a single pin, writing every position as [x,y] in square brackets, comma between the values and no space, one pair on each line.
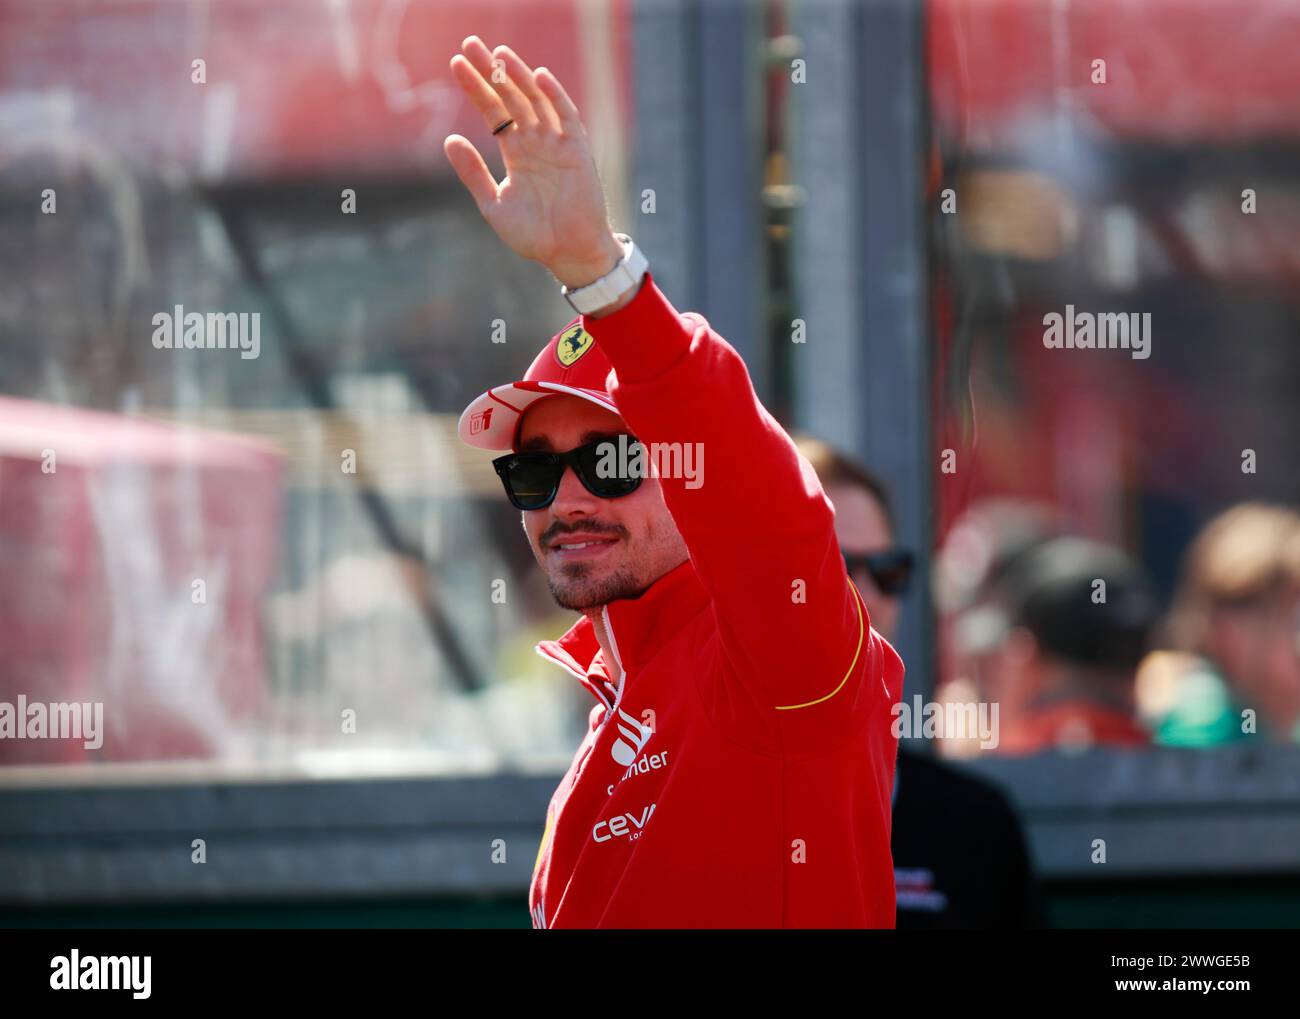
[739,775]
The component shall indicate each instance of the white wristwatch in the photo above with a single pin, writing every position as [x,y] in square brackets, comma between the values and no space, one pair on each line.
[625,276]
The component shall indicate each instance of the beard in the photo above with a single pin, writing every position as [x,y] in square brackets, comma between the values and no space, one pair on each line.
[580,588]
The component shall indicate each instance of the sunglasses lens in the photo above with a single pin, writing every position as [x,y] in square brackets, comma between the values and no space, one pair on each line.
[893,582]
[605,471]
[892,572]
[531,481]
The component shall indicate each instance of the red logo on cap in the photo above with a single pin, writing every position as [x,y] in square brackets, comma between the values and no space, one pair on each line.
[479,422]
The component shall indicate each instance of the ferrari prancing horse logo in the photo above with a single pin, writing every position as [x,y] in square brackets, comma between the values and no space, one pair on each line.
[574,342]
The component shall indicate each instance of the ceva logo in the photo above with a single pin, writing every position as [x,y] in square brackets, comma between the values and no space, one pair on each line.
[625,824]
[635,737]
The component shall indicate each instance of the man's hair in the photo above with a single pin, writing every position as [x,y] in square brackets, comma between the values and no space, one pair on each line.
[1046,586]
[1244,556]
[836,468]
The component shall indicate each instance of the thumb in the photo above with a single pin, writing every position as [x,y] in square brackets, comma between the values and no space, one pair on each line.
[472,171]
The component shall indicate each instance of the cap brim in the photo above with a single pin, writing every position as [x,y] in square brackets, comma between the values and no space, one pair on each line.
[496,430]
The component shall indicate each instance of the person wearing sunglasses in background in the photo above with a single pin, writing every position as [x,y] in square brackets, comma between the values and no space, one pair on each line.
[960,859]
[739,758]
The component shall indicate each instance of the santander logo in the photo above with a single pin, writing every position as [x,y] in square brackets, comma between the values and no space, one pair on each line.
[635,736]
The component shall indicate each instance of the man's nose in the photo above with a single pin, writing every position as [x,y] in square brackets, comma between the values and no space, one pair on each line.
[572,497]
[876,602]
[867,585]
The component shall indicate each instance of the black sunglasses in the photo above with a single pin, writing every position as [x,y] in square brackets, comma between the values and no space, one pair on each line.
[532,480]
[891,570]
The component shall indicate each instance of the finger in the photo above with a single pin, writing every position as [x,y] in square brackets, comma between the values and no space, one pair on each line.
[522,75]
[480,93]
[570,122]
[494,74]
[472,171]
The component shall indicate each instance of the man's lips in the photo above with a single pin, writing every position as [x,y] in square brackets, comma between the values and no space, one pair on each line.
[581,546]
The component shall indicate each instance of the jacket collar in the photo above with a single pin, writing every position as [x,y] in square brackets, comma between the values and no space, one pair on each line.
[638,627]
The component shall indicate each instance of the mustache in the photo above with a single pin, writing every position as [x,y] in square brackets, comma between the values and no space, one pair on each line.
[555,532]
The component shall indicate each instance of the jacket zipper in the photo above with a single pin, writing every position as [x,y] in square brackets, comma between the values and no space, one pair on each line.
[610,712]
[618,660]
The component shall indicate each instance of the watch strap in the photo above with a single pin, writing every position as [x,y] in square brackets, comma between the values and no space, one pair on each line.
[625,276]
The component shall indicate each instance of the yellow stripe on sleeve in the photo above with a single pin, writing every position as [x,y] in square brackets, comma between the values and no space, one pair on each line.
[862,631]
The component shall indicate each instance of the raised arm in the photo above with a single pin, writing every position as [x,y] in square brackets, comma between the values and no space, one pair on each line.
[759,528]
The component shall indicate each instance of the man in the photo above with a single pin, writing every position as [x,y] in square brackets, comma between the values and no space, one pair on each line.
[971,569]
[960,860]
[1236,627]
[739,759]
[1070,628]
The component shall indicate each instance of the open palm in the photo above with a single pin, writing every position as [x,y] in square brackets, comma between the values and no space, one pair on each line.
[551,207]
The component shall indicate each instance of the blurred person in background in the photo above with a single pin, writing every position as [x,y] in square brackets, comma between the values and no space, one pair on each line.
[1072,624]
[960,858]
[1233,633]
[972,568]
